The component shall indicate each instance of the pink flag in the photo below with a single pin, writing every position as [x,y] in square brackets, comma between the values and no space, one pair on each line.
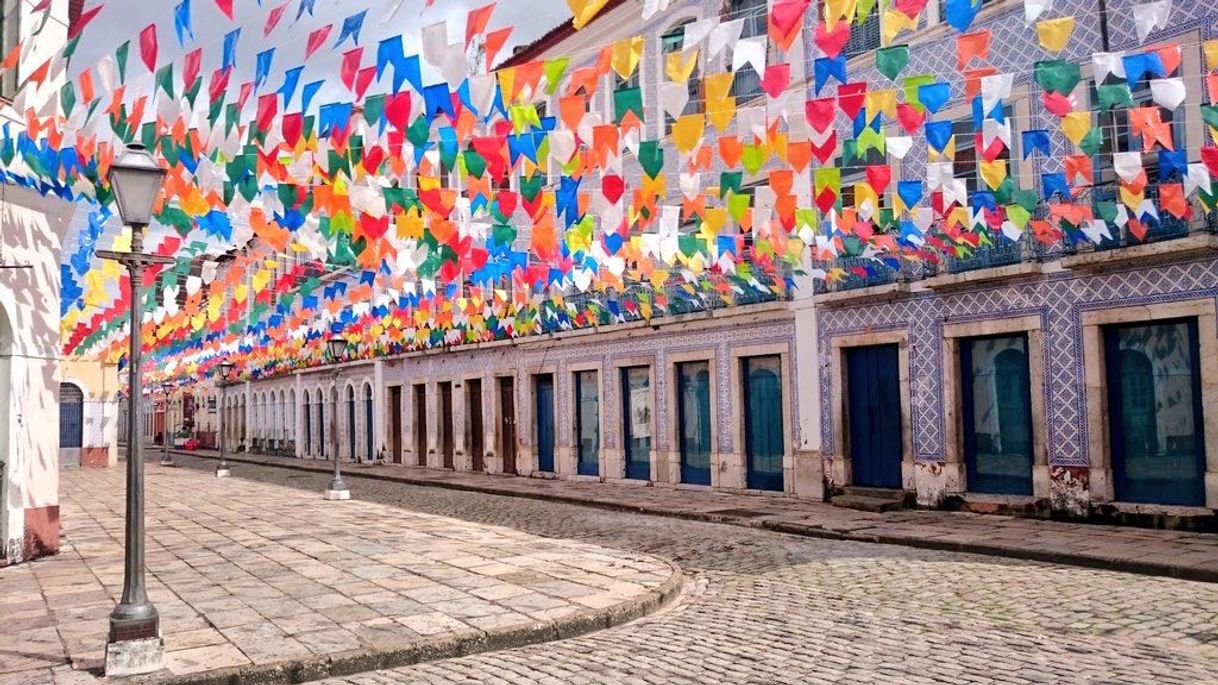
[226,6]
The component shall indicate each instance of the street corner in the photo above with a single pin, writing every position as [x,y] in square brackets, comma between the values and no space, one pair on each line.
[259,581]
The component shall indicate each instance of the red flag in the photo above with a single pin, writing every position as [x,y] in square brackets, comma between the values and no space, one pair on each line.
[190,68]
[268,107]
[293,126]
[219,84]
[317,39]
[476,22]
[226,6]
[272,19]
[363,79]
[148,47]
[83,21]
[351,60]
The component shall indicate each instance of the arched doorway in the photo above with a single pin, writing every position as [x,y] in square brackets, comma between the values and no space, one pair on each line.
[71,424]
[351,422]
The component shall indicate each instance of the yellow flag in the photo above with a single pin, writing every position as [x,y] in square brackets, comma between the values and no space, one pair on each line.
[993,173]
[864,192]
[718,85]
[687,132]
[1211,53]
[626,55]
[1055,33]
[839,10]
[894,22]
[680,66]
[1076,125]
[721,112]
[882,101]
[584,11]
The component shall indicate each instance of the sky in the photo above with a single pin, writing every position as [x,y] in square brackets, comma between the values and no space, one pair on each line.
[122,20]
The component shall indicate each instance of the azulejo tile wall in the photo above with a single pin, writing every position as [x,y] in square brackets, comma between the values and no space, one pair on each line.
[1059,300]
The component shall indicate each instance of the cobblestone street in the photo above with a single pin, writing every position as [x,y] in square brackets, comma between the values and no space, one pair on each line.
[763,607]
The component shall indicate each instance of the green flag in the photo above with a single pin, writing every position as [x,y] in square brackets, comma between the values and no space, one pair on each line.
[1057,76]
[891,60]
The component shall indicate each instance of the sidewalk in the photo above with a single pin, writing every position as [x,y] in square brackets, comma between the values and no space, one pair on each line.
[1179,554]
[268,583]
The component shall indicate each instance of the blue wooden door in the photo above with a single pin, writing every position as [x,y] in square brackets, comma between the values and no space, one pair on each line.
[693,417]
[636,421]
[545,423]
[587,424]
[1154,412]
[71,416]
[763,422]
[997,416]
[873,397]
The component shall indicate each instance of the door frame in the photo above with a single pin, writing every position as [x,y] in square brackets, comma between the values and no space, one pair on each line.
[468,420]
[955,469]
[396,424]
[739,466]
[422,452]
[1098,439]
[708,357]
[841,471]
[618,418]
[500,438]
[555,409]
[570,460]
[446,435]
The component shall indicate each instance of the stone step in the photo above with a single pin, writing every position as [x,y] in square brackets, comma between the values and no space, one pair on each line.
[876,493]
[864,503]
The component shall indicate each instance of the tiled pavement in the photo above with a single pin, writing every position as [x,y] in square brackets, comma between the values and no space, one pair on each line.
[1180,554]
[764,608]
[251,576]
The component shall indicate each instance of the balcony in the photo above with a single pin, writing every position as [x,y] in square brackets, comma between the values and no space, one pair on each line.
[867,280]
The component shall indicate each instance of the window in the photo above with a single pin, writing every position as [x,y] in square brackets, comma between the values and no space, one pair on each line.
[671,42]
[997,414]
[1154,412]
[587,424]
[747,84]
[636,421]
[694,422]
[864,37]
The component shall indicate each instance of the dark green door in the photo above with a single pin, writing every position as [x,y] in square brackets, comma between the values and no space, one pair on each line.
[545,423]
[369,447]
[997,414]
[587,424]
[873,397]
[693,421]
[1154,412]
[636,420]
[351,424]
[763,419]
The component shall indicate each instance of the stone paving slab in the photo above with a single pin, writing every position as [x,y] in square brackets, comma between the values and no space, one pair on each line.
[265,582]
[1179,554]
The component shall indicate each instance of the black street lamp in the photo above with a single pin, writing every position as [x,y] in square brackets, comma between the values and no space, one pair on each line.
[166,457]
[226,371]
[336,348]
[135,645]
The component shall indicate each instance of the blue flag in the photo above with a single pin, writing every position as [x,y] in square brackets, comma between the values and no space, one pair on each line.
[181,22]
[262,67]
[352,26]
[1036,139]
[291,77]
[230,48]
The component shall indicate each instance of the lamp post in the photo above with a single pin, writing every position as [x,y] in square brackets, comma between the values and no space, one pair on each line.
[226,370]
[336,347]
[135,645]
[166,457]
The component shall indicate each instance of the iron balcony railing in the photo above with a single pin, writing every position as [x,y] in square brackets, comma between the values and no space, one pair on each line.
[863,272]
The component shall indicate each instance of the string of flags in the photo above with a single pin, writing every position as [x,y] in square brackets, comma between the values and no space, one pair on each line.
[441,200]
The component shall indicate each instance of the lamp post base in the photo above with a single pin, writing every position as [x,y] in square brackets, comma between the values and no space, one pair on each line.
[167,461]
[135,657]
[338,495]
[223,472]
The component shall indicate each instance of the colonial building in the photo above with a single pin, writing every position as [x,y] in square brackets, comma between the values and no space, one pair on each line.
[1068,380]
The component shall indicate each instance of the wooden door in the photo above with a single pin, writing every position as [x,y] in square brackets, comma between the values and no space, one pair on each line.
[507,424]
[446,423]
[395,424]
[420,424]
[473,394]
[874,415]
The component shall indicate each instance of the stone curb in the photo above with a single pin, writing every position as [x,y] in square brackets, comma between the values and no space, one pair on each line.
[1063,558]
[435,648]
